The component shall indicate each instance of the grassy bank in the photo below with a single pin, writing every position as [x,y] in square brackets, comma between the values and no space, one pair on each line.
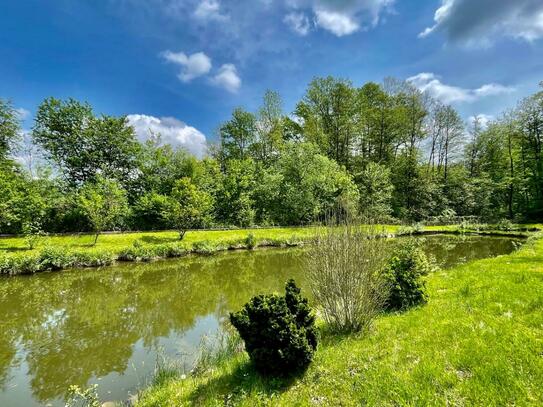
[477,342]
[68,251]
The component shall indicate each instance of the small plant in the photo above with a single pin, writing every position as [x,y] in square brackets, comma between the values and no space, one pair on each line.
[279,332]
[32,233]
[403,274]
[250,241]
[505,225]
[203,247]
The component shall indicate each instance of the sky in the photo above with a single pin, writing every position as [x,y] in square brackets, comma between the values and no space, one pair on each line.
[179,67]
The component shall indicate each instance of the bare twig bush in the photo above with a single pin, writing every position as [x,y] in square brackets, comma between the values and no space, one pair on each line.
[344,269]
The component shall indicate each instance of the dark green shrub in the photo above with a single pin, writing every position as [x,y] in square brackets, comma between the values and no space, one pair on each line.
[404,275]
[279,332]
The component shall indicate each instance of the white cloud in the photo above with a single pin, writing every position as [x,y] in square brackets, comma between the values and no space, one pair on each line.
[192,66]
[344,17]
[337,23]
[479,23]
[227,78]
[298,22]
[429,82]
[209,10]
[171,130]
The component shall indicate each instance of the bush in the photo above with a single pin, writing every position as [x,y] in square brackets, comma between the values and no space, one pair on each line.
[279,332]
[55,259]
[403,274]
[250,241]
[344,270]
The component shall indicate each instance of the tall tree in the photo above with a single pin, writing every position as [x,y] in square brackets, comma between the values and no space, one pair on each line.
[9,128]
[82,145]
[328,111]
[237,136]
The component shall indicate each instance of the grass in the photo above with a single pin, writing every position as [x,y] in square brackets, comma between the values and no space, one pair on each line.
[479,341]
[67,251]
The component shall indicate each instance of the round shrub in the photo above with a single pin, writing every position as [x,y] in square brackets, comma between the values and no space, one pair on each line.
[404,275]
[279,332]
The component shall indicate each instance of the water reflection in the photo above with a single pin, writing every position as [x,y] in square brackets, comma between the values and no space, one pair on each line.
[106,326]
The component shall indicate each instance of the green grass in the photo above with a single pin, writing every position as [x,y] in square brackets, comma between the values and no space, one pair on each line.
[68,251]
[118,241]
[479,341]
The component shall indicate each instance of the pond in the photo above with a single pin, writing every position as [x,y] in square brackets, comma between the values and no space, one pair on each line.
[107,326]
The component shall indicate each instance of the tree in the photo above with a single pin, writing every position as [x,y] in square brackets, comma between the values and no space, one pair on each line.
[82,145]
[327,111]
[104,203]
[237,135]
[235,195]
[9,128]
[375,192]
[303,186]
[190,207]
[269,128]
[161,165]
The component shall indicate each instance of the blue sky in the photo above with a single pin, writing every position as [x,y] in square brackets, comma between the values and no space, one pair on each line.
[180,66]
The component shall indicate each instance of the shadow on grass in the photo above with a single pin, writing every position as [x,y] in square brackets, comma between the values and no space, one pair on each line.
[14,249]
[243,380]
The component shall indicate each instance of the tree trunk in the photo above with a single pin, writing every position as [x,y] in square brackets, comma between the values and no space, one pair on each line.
[182,234]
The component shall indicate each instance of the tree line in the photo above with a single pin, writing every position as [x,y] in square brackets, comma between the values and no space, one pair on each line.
[387,151]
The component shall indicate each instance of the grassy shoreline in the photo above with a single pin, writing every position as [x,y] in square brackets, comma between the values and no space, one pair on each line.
[477,342]
[70,251]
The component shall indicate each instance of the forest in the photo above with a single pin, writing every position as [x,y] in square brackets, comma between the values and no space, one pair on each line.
[386,151]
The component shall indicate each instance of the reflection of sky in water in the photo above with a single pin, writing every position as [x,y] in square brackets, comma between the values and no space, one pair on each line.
[108,326]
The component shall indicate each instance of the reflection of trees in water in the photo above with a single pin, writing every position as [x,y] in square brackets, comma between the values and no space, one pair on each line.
[451,250]
[75,325]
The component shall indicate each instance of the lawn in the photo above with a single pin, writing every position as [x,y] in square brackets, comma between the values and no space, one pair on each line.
[58,252]
[118,241]
[479,341]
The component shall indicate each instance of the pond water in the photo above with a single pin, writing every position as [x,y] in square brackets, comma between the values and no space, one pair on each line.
[107,326]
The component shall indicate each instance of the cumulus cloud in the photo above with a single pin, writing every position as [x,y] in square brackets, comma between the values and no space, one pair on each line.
[479,22]
[172,131]
[429,82]
[192,66]
[298,22]
[337,23]
[227,78]
[344,17]
[209,10]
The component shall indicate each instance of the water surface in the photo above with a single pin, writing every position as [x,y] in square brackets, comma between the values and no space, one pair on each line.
[107,326]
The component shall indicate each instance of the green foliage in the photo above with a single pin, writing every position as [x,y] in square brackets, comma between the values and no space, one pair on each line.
[235,201]
[9,128]
[250,241]
[190,207]
[104,203]
[376,190]
[303,186]
[404,275]
[32,233]
[83,145]
[152,212]
[279,332]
